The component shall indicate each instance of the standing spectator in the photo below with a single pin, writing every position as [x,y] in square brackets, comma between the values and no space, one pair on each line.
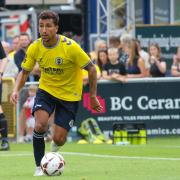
[114,70]
[24,41]
[3,121]
[175,68]
[11,69]
[15,43]
[157,63]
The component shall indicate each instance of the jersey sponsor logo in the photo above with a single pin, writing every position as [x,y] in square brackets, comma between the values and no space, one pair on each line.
[50,70]
[58,60]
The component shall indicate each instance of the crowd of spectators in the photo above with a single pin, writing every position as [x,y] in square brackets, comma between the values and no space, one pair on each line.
[124,58]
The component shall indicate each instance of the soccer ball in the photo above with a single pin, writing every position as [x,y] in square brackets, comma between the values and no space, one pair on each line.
[52,164]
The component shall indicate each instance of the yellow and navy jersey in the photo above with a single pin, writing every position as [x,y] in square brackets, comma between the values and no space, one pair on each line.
[60,66]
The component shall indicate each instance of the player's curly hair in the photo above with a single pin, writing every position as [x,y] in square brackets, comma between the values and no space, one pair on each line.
[47,14]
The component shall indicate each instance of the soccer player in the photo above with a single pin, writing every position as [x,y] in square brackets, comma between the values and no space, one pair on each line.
[3,121]
[60,61]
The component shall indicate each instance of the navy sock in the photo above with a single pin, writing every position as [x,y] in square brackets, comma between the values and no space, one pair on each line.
[3,127]
[39,146]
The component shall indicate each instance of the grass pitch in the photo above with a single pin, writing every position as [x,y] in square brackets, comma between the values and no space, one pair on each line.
[158,160]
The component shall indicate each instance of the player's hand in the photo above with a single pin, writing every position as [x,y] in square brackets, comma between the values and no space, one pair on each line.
[94,102]
[14,97]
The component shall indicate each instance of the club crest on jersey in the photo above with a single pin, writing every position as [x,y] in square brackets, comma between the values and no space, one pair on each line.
[58,60]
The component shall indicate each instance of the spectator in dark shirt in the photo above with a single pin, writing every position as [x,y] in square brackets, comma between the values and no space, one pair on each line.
[24,41]
[114,70]
[135,65]
[157,63]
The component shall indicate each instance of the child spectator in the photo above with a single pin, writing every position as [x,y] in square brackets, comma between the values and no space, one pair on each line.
[114,70]
[28,105]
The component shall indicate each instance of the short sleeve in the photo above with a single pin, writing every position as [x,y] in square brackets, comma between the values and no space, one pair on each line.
[78,56]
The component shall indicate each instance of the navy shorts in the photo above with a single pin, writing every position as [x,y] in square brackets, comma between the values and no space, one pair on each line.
[65,111]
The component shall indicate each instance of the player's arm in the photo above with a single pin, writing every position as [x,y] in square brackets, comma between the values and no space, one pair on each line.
[92,75]
[20,81]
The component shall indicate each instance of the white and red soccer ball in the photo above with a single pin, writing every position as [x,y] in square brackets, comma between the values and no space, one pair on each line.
[52,164]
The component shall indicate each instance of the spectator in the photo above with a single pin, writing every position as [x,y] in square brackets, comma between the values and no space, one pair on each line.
[114,42]
[114,70]
[102,58]
[144,55]
[28,105]
[135,64]
[157,63]
[20,55]
[175,68]
[125,40]
[15,43]
[99,44]
[11,69]
[24,41]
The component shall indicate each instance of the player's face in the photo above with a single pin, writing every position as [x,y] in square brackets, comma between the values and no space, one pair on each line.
[47,29]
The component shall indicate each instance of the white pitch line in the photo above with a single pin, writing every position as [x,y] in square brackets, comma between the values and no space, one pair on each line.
[7,154]
[121,157]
